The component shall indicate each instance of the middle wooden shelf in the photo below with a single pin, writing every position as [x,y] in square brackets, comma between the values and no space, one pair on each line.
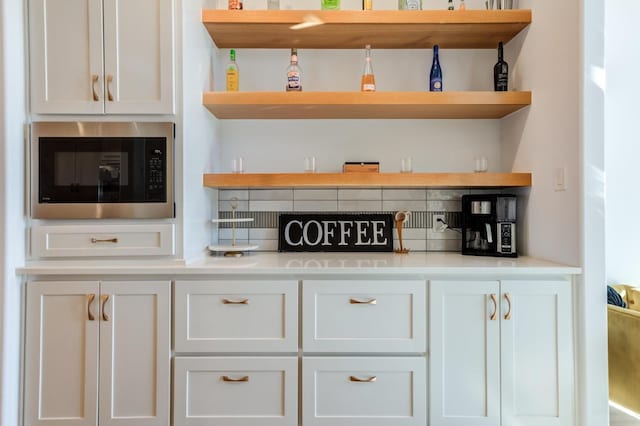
[288,105]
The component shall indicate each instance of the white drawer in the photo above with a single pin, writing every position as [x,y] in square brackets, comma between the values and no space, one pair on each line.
[236,316]
[364,391]
[235,391]
[102,240]
[364,316]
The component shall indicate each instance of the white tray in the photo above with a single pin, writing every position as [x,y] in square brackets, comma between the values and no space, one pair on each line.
[229,248]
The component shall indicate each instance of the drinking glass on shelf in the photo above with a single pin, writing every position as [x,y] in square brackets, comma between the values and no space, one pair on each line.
[406,165]
[238,165]
[309,164]
[481,164]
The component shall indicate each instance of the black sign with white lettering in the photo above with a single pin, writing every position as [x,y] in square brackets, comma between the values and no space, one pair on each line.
[335,232]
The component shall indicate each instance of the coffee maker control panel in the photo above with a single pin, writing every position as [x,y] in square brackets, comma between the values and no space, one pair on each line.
[507,238]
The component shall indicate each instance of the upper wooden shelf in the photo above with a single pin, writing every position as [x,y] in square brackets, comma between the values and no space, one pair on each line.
[288,105]
[382,29]
[397,180]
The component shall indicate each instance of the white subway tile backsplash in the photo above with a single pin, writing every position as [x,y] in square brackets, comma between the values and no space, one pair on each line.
[315,206]
[448,234]
[271,194]
[225,206]
[404,194]
[315,194]
[266,245]
[445,194]
[359,194]
[411,234]
[412,206]
[226,234]
[444,245]
[263,234]
[228,194]
[357,206]
[271,206]
[444,206]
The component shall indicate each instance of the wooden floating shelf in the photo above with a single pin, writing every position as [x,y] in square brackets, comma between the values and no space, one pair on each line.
[287,105]
[377,180]
[382,29]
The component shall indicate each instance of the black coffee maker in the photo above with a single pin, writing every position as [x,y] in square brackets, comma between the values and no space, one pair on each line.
[489,225]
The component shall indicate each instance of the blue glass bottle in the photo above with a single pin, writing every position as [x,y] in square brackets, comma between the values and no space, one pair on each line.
[435,79]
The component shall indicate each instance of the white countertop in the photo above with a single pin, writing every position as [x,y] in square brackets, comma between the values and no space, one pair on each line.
[312,263]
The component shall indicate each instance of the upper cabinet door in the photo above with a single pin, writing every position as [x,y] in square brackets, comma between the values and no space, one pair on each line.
[537,353]
[139,56]
[61,354]
[135,353]
[66,56]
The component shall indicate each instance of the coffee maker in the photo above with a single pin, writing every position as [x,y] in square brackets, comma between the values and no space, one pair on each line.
[489,225]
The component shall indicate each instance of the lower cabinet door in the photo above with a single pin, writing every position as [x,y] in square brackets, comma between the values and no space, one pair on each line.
[364,391]
[235,391]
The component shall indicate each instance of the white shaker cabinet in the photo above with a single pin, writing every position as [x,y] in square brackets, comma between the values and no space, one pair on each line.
[97,353]
[501,353]
[101,56]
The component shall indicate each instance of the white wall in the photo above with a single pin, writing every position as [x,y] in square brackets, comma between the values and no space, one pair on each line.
[12,227]
[622,149]
[200,146]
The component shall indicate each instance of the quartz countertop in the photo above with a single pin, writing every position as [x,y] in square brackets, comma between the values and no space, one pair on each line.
[419,263]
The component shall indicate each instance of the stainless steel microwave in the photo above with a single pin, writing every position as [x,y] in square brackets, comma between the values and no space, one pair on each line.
[95,170]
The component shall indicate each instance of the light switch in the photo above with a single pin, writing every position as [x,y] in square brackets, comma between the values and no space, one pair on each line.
[560,179]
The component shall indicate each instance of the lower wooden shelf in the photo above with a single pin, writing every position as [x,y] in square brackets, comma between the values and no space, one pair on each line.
[398,180]
[322,105]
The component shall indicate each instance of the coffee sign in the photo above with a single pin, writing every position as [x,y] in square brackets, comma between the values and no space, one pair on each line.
[335,232]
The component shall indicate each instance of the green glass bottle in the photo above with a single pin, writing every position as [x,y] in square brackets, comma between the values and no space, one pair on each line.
[330,4]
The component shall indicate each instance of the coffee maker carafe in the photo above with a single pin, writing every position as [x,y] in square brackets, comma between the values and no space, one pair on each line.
[489,225]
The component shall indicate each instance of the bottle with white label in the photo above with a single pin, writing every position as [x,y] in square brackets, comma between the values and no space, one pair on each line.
[294,73]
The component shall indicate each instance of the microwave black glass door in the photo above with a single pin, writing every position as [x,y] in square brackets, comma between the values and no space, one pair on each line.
[102,170]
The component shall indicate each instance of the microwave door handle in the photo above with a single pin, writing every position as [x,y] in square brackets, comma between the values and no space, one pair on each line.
[489,234]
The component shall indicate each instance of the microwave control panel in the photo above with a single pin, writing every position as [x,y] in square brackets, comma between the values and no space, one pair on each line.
[156,171]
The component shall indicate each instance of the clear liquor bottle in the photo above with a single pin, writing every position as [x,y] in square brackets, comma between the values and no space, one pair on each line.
[368,81]
[294,73]
[233,73]
[501,72]
[435,77]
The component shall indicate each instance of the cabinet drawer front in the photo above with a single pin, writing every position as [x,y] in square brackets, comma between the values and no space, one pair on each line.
[104,240]
[217,316]
[236,391]
[364,316]
[364,391]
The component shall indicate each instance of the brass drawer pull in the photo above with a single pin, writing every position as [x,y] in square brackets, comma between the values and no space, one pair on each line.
[105,298]
[94,80]
[90,298]
[494,315]
[235,302]
[108,240]
[359,380]
[242,379]
[371,301]
[508,314]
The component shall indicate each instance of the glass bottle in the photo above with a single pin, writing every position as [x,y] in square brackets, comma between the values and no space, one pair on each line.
[294,73]
[435,78]
[368,82]
[410,4]
[235,4]
[501,73]
[367,4]
[330,4]
[450,5]
[462,5]
[233,73]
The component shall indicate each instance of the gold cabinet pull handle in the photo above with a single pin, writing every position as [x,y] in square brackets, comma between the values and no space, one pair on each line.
[107,240]
[105,298]
[494,315]
[94,80]
[235,302]
[90,298]
[508,314]
[360,380]
[109,95]
[371,301]
[242,379]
